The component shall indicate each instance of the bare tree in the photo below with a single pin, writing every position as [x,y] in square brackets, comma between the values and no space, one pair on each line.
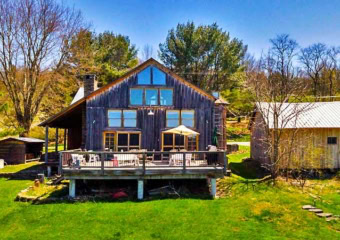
[332,71]
[34,37]
[277,88]
[147,52]
[314,60]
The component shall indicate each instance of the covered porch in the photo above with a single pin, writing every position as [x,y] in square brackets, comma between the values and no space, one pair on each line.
[68,123]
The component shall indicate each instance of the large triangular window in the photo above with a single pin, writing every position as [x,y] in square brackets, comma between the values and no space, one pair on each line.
[151,76]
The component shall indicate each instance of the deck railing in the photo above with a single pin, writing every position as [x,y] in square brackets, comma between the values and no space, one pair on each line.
[104,160]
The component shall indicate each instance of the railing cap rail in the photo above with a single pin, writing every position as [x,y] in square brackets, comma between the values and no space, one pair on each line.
[141,152]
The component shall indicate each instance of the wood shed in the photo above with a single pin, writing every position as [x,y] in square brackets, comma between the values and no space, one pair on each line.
[18,150]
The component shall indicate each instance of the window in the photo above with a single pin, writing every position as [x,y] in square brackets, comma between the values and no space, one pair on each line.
[114,117]
[109,143]
[151,97]
[144,77]
[177,117]
[173,141]
[172,118]
[151,76]
[127,117]
[128,141]
[332,140]
[130,118]
[192,143]
[216,94]
[165,97]
[158,76]
[187,117]
[136,96]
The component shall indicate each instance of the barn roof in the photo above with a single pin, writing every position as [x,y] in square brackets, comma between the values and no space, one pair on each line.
[302,115]
[24,139]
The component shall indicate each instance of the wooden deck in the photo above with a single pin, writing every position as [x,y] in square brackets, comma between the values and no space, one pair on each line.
[148,165]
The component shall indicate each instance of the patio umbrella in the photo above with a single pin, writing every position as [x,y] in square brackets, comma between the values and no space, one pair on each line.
[182,130]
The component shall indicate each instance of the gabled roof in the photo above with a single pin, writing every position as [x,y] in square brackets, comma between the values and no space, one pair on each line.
[24,139]
[133,71]
[303,115]
[142,66]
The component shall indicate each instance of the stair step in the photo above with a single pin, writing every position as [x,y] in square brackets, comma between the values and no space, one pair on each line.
[307,207]
[325,215]
[315,210]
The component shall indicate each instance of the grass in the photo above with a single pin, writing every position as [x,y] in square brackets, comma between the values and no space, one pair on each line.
[51,148]
[18,167]
[246,210]
[238,132]
[263,213]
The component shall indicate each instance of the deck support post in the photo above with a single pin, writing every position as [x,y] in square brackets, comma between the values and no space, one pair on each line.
[140,193]
[49,171]
[213,187]
[72,188]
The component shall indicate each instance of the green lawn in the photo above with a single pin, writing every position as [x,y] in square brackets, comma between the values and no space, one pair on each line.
[246,211]
[18,167]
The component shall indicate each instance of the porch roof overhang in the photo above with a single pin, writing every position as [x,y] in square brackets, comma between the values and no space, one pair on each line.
[70,117]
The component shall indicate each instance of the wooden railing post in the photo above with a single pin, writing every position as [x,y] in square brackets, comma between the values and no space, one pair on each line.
[184,162]
[144,159]
[225,159]
[102,158]
[60,162]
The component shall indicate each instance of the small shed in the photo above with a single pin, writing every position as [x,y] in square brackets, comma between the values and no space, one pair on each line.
[18,150]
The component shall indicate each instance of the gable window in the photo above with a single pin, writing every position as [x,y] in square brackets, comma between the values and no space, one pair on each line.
[187,118]
[165,97]
[172,118]
[136,96]
[158,76]
[144,77]
[151,96]
[151,76]
[183,117]
[332,140]
[122,118]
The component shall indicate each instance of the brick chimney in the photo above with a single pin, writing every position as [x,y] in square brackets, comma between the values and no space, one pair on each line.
[90,84]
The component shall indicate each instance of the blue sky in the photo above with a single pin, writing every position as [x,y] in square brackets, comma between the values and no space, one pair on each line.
[252,21]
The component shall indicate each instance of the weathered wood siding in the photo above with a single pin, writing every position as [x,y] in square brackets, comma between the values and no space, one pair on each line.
[258,148]
[117,97]
[309,148]
[13,152]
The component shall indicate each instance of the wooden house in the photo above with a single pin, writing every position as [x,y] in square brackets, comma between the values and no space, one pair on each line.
[133,112]
[19,150]
[310,138]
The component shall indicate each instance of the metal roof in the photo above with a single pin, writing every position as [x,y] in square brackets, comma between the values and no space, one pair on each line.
[302,115]
[79,95]
[25,139]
